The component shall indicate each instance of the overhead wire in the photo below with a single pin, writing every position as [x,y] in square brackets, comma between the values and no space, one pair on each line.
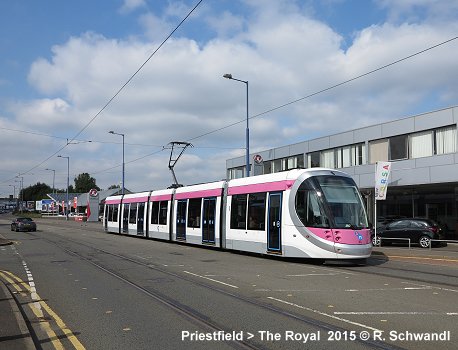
[324,90]
[226,126]
[115,95]
[304,97]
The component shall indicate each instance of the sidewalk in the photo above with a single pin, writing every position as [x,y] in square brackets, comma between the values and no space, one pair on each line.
[14,333]
[448,253]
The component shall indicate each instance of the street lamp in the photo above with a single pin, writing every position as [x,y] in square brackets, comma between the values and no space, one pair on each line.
[53,178]
[229,76]
[21,183]
[14,190]
[123,164]
[68,184]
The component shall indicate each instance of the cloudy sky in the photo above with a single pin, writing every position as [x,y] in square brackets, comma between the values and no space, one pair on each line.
[63,65]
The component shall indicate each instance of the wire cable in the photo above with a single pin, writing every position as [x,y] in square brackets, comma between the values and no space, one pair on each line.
[325,90]
[115,95]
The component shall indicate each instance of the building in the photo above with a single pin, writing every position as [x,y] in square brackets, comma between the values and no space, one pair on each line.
[422,149]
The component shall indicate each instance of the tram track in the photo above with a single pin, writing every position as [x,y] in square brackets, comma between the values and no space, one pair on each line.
[404,270]
[195,316]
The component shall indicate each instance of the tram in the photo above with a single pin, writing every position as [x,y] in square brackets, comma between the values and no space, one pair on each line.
[302,213]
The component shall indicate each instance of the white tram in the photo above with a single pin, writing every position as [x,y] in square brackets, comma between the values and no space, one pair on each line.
[302,213]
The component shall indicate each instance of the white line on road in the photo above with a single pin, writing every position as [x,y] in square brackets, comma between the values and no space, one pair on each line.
[325,314]
[395,313]
[211,279]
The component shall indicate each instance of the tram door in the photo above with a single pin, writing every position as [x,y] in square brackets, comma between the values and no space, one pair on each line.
[125,218]
[181,219]
[274,222]
[208,220]
[140,214]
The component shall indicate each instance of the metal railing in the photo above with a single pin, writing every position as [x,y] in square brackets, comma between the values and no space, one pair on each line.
[393,239]
[441,240]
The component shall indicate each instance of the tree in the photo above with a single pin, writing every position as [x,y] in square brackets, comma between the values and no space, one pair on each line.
[112,187]
[35,193]
[84,183]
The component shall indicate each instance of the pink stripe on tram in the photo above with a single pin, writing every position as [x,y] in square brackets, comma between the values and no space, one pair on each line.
[200,194]
[112,201]
[161,197]
[135,200]
[263,187]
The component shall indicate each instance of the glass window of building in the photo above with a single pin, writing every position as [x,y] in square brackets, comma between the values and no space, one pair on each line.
[421,144]
[276,166]
[445,140]
[327,158]
[236,173]
[313,160]
[378,151]
[268,167]
[398,147]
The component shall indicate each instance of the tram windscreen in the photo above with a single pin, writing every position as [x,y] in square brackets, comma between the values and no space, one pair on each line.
[330,201]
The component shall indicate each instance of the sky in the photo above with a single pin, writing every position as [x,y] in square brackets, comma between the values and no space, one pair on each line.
[71,71]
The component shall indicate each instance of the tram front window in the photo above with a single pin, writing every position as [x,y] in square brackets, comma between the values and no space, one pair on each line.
[344,201]
[325,201]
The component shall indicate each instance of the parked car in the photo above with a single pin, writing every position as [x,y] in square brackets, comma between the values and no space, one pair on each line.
[420,231]
[23,224]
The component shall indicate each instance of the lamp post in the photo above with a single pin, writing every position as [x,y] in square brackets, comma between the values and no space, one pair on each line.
[21,184]
[53,178]
[123,164]
[68,184]
[14,192]
[247,142]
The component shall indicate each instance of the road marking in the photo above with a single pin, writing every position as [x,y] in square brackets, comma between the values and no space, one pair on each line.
[211,279]
[431,287]
[395,313]
[37,308]
[314,274]
[325,314]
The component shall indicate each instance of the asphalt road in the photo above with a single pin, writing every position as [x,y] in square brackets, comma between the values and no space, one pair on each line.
[82,288]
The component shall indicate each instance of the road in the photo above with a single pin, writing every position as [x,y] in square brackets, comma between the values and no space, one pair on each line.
[79,287]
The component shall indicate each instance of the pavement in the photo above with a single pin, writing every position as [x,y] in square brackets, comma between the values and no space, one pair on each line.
[14,333]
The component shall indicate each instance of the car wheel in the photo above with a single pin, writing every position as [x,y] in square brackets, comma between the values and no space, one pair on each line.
[424,241]
[17,229]
[376,242]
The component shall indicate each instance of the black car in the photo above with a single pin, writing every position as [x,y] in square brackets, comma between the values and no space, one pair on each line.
[420,231]
[23,224]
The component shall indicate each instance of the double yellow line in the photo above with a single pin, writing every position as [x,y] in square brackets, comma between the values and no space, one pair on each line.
[37,308]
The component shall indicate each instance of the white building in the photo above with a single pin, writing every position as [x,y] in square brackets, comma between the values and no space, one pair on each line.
[423,149]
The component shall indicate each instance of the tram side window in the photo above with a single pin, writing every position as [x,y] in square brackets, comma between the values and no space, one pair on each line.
[163,206]
[115,212]
[155,213]
[133,213]
[257,211]
[194,215]
[109,213]
[238,211]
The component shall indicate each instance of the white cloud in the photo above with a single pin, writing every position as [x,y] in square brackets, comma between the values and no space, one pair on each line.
[131,5]
[284,53]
